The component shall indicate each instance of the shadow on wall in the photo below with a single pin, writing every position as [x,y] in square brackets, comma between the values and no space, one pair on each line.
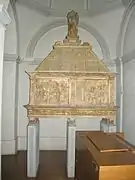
[129,56]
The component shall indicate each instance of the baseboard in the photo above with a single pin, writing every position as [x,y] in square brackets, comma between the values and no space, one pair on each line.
[46,143]
[8,147]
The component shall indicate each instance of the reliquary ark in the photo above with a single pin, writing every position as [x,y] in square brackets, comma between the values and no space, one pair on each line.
[71,80]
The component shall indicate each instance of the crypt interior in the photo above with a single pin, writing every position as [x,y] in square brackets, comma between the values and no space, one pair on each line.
[49,67]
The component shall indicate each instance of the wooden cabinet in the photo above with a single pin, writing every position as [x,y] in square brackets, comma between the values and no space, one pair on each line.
[101,156]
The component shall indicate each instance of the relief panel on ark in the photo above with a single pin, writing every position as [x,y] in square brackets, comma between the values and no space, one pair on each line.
[49,91]
[92,93]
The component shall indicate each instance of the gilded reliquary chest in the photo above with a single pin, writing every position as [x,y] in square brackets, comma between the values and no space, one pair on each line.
[71,80]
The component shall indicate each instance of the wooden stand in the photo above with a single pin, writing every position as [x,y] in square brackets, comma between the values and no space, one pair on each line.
[104,156]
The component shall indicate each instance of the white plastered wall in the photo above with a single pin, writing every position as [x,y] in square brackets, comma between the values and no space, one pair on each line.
[9,121]
[127,53]
[53,131]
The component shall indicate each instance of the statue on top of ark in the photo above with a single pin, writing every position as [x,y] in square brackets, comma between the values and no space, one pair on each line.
[72,21]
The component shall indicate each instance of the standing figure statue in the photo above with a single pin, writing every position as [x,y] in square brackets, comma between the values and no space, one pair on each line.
[72,20]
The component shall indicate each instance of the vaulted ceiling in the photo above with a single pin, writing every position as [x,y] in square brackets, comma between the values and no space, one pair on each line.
[60,7]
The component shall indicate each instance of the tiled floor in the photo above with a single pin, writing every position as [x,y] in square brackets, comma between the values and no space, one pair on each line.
[52,166]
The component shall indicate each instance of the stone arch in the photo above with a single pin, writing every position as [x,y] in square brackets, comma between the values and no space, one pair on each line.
[119,53]
[44,29]
[123,28]
[15,16]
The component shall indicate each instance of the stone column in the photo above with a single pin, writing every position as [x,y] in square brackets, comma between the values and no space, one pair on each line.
[71,134]
[119,94]
[33,148]
[4,21]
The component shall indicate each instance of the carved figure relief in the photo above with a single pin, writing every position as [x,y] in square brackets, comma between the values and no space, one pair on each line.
[72,20]
[92,92]
[50,92]
[112,98]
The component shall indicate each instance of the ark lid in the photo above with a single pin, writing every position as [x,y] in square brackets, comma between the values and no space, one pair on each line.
[70,55]
[106,143]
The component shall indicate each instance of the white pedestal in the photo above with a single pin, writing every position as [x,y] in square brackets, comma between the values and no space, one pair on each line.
[71,134]
[107,127]
[32,148]
[112,128]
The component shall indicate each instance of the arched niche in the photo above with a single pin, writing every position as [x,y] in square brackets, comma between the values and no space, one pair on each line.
[30,53]
[12,44]
[125,36]
[10,35]
[126,54]
[128,76]
[129,42]
[44,45]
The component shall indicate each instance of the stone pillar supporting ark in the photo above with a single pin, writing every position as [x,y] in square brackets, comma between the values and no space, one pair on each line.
[71,134]
[107,126]
[32,148]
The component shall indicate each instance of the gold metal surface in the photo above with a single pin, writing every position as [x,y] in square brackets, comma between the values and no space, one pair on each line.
[41,111]
[70,57]
[87,91]
[72,79]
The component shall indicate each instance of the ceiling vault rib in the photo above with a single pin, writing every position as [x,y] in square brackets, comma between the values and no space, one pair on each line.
[50,4]
[87,4]
[85,8]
